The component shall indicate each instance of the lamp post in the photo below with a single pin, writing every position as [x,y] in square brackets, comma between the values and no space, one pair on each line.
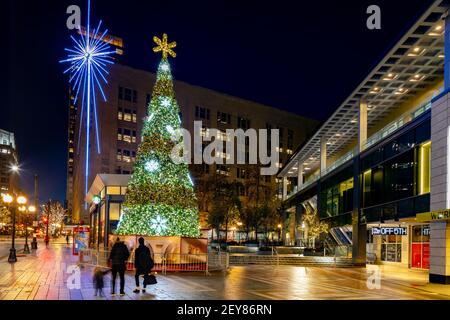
[49,208]
[34,244]
[30,209]
[9,200]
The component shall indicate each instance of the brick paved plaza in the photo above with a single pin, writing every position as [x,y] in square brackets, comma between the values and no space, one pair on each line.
[42,276]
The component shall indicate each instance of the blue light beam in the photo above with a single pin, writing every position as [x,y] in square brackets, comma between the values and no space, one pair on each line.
[88,60]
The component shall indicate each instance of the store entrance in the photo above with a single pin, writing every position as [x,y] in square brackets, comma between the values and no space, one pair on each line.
[420,246]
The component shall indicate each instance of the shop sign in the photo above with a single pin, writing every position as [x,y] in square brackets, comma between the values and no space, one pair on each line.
[433,216]
[398,231]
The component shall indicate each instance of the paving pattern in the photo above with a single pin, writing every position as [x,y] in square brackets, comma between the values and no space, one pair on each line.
[43,276]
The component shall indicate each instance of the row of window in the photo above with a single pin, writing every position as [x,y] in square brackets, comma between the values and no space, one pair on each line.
[384,187]
[126,155]
[127,94]
[126,135]
[127,115]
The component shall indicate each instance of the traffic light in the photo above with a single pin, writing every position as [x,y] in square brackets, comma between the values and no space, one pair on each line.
[45,220]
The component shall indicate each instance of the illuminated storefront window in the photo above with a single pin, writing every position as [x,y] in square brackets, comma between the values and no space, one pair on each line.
[420,247]
[391,248]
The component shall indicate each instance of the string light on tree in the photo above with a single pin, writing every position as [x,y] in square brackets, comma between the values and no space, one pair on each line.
[152,165]
[165,102]
[160,198]
[158,224]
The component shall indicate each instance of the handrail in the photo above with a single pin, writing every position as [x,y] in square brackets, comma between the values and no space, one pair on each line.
[396,124]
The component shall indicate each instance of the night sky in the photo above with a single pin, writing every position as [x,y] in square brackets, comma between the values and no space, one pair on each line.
[299,56]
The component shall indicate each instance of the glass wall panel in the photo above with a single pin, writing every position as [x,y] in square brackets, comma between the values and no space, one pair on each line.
[424,168]
[399,177]
[113,190]
[114,211]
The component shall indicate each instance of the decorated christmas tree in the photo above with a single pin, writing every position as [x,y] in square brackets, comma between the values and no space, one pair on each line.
[160,198]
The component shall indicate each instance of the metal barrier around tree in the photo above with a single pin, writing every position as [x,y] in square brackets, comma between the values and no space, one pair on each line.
[172,262]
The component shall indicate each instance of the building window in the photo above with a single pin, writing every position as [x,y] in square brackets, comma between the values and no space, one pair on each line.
[241,173]
[127,115]
[126,156]
[391,248]
[222,170]
[243,123]
[119,134]
[202,113]
[223,118]
[119,155]
[113,190]
[127,94]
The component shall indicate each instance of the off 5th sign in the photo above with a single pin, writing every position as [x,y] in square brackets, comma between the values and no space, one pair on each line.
[398,231]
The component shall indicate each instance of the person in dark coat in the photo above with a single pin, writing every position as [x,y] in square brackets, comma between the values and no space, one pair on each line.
[99,273]
[118,257]
[143,262]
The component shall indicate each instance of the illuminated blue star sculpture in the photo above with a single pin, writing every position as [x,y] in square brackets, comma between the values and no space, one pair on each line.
[89,58]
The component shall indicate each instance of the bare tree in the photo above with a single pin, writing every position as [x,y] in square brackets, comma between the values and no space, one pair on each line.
[313,225]
[261,207]
[5,215]
[55,214]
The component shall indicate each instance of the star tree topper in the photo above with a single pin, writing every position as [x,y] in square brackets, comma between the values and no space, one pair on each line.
[164,46]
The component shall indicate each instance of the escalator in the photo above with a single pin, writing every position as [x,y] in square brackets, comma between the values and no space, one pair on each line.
[342,235]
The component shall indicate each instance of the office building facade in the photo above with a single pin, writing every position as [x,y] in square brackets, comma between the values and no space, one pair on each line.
[376,172]
[122,116]
[9,180]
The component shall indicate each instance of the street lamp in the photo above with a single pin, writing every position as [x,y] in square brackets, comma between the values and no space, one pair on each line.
[30,209]
[9,200]
[279,231]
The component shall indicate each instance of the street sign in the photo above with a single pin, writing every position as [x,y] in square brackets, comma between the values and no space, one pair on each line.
[433,216]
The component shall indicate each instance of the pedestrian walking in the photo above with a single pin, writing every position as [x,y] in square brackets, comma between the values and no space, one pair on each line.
[99,274]
[67,239]
[143,262]
[118,257]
